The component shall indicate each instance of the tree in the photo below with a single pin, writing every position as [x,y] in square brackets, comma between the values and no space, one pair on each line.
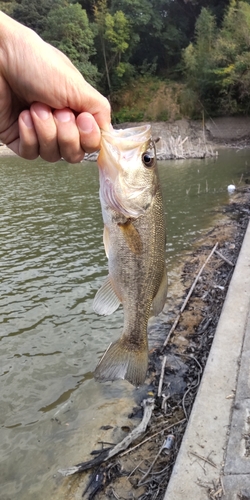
[68,29]
[233,58]
[34,14]
[7,6]
[200,63]
[117,33]
[114,34]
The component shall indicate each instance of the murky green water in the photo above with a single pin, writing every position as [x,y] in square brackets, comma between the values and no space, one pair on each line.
[51,264]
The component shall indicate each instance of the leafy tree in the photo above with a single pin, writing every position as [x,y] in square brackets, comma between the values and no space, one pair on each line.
[217,7]
[7,6]
[117,33]
[68,29]
[199,61]
[34,14]
[233,58]
[114,34]
[100,12]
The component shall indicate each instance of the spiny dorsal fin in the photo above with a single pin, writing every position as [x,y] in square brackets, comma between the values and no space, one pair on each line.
[106,300]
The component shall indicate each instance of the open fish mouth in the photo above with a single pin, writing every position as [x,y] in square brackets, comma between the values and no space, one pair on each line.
[121,154]
[125,139]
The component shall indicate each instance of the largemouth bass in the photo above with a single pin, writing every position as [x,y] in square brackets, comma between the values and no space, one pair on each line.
[134,241]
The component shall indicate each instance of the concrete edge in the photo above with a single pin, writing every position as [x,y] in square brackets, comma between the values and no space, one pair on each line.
[209,424]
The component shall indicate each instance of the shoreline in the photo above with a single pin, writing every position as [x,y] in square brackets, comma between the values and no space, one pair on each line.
[219,133]
[185,354]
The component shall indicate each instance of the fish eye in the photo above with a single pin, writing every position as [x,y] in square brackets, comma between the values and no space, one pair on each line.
[148,160]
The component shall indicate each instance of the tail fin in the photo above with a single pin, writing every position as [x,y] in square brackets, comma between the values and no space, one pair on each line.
[120,362]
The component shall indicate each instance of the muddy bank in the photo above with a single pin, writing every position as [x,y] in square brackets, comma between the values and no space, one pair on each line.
[143,470]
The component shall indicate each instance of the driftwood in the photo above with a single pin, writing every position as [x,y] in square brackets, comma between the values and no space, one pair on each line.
[164,429]
[174,148]
[148,405]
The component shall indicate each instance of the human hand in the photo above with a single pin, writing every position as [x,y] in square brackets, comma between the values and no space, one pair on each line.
[46,106]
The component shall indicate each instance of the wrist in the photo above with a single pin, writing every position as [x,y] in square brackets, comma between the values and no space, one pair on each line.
[13,36]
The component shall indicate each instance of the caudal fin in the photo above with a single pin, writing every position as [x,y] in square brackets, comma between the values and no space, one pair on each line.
[120,362]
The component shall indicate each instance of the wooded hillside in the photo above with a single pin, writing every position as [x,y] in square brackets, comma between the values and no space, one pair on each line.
[194,52]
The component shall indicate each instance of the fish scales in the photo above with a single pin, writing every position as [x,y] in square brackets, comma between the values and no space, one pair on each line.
[134,239]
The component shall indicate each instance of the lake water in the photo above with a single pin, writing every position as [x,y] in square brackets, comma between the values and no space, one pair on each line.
[52,263]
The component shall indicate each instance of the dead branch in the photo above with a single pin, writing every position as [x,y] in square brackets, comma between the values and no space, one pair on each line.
[162,375]
[153,435]
[223,258]
[148,405]
[151,466]
[177,148]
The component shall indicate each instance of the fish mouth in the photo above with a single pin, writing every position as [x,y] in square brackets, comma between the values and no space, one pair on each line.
[121,151]
[128,138]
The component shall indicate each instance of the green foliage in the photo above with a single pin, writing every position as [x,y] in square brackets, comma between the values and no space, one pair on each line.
[7,6]
[68,29]
[116,42]
[218,62]
[128,115]
[117,31]
[232,57]
[114,36]
[34,14]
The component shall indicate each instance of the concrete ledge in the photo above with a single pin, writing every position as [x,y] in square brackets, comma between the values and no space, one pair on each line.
[209,425]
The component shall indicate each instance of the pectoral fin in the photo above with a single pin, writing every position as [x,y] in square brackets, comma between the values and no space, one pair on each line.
[160,298]
[106,300]
[132,236]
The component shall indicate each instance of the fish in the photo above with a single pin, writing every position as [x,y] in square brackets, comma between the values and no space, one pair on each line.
[134,238]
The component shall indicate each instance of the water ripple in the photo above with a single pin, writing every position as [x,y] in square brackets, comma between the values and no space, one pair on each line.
[52,262]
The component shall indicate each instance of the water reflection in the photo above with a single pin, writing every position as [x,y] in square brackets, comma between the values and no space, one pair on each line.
[52,262]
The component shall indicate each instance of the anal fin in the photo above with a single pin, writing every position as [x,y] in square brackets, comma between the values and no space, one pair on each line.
[106,300]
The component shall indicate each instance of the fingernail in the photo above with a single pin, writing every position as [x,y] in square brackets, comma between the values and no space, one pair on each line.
[42,113]
[85,124]
[27,120]
[63,116]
